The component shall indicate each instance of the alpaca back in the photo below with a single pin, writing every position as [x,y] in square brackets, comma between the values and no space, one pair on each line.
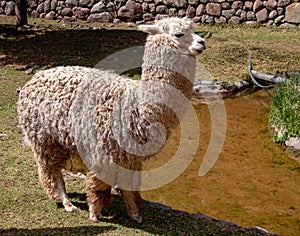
[45,102]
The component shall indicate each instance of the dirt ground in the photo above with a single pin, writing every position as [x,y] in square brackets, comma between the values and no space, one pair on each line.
[253,182]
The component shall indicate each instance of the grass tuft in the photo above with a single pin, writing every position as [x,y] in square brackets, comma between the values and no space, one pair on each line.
[285,110]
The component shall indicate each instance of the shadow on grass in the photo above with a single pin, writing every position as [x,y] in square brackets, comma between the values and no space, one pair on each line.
[54,45]
[82,230]
[156,220]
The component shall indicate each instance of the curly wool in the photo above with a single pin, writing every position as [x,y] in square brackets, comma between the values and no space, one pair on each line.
[48,114]
[105,118]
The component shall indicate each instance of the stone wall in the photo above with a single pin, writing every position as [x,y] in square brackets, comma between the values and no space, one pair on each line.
[271,12]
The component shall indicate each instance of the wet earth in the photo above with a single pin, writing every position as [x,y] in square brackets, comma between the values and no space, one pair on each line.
[254,182]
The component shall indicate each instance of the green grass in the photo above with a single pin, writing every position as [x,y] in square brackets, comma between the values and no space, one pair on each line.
[24,207]
[26,210]
[49,43]
[285,110]
[273,50]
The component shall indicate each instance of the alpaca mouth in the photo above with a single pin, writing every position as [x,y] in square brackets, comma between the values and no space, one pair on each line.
[200,50]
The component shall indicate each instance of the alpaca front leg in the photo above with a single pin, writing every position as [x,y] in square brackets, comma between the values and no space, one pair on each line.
[132,200]
[98,196]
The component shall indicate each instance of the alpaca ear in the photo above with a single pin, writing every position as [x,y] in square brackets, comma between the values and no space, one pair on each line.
[150,29]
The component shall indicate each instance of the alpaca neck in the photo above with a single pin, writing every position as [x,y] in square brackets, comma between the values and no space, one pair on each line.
[168,65]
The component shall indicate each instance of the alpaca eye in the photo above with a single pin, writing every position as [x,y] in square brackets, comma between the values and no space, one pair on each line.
[179,35]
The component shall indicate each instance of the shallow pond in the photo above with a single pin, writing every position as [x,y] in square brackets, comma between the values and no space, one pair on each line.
[253,182]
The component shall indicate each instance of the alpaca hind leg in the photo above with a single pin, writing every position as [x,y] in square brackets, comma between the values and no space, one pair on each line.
[98,196]
[50,164]
[132,199]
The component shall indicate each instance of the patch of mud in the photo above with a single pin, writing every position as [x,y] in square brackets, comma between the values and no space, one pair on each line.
[253,182]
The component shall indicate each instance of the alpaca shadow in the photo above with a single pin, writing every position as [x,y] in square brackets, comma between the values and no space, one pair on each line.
[159,219]
[156,221]
[154,218]
[49,46]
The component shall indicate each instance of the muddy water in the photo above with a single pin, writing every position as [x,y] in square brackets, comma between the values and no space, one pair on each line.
[253,183]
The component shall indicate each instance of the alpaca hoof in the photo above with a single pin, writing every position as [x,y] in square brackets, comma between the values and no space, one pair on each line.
[93,217]
[140,220]
[71,209]
[137,217]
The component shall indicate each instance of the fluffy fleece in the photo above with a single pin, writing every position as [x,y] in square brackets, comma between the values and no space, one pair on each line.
[107,120]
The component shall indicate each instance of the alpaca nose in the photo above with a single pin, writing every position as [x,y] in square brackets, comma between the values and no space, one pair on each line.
[202,42]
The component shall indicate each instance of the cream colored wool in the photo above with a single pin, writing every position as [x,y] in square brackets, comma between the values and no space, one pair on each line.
[108,119]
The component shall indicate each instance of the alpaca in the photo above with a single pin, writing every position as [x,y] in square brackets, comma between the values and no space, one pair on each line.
[109,121]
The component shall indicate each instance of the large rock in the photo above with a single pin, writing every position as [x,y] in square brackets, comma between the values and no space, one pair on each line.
[248,5]
[175,3]
[190,11]
[47,6]
[225,6]
[53,5]
[237,5]
[228,13]
[40,8]
[271,4]
[200,10]
[132,11]
[193,2]
[213,9]
[99,8]
[2,4]
[273,14]
[50,15]
[72,3]
[81,12]
[31,4]
[86,3]
[279,19]
[221,20]
[111,8]
[234,20]
[280,10]
[243,16]
[250,16]
[148,17]
[152,8]
[292,14]
[257,6]
[9,8]
[173,12]
[104,17]
[181,13]
[66,12]
[34,14]
[283,3]
[162,9]
[262,16]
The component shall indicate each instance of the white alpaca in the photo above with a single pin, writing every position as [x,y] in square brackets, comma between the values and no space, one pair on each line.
[107,119]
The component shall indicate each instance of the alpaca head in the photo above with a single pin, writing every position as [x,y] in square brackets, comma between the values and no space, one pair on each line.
[177,33]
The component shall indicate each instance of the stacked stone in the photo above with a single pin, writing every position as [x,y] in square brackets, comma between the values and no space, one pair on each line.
[271,12]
